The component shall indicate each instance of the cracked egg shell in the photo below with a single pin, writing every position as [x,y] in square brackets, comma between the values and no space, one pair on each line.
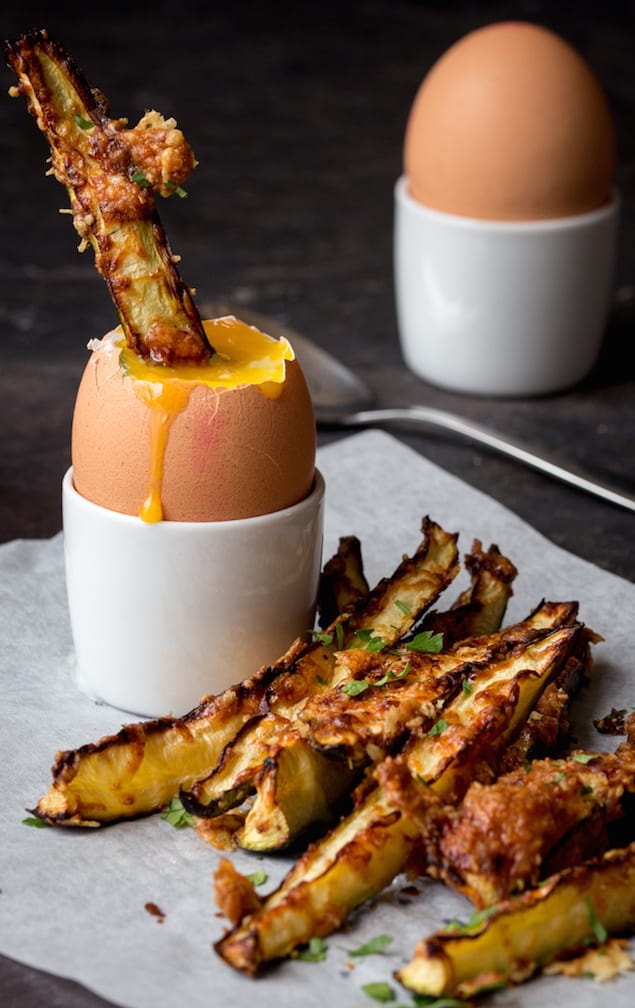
[147,442]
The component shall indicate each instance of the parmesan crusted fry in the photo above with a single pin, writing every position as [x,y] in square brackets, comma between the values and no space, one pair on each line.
[369,847]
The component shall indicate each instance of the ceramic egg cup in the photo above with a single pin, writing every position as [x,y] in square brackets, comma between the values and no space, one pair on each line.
[164,614]
[502,308]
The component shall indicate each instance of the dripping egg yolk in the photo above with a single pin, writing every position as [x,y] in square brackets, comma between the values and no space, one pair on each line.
[231,438]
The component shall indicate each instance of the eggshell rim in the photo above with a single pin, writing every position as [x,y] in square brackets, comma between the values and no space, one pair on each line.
[587,219]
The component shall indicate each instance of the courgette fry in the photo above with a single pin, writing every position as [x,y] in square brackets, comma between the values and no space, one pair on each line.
[479,609]
[111,174]
[246,763]
[520,936]
[352,732]
[376,841]
[342,582]
[418,687]
[283,808]
[388,612]
[139,769]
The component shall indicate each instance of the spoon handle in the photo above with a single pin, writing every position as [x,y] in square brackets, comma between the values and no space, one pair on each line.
[429,417]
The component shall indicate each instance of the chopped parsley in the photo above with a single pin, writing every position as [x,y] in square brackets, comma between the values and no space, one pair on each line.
[36,822]
[438,727]
[84,124]
[181,193]
[258,877]
[355,687]
[321,638]
[372,947]
[406,610]
[379,991]
[176,815]
[474,922]
[138,177]
[599,931]
[584,757]
[425,642]
[315,951]
[370,640]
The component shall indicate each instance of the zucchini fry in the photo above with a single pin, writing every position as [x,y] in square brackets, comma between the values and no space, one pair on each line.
[139,769]
[387,613]
[522,935]
[111,174]
[480,609]
[342,582]
[355,732]
[376,841]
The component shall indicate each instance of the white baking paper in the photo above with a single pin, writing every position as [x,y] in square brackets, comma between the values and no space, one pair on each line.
[73,901]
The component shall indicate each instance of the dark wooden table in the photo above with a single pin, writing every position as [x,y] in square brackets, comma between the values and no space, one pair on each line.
[296,113]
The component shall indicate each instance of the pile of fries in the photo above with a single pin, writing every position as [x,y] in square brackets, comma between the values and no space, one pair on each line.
[398,738]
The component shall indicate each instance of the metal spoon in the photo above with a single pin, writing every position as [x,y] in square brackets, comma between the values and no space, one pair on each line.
[341,399]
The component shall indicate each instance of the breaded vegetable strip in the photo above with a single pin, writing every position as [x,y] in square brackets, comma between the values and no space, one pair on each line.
[342,582]
[256,762]
[532,822]
[522,935]
[353,731]
[376,841]
[406,691]
[138,770]
[111,174]
[480,609]
[387,613]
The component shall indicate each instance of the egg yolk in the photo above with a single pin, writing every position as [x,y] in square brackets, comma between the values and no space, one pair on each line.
[243,356]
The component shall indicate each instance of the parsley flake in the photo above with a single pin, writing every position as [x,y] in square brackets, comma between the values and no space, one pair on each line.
[475,920]
[355,687]
[426,642]
[84,124]
[372,947]
[258,877]
[379,991]
[176,815]
[138,177]
[36,822]
[181,193]
[596,924]
[370,640]
[438,727]
[315,951]
[321,638]
[406,610]
[584,757]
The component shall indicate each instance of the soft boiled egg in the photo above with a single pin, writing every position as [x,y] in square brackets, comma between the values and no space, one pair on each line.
[510,124]
[231,438]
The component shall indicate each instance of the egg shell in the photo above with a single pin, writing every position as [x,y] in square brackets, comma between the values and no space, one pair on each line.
[231,453]
[510,124]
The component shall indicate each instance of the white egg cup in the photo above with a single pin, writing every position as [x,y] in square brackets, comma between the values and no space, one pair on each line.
[164,614]
[502,308]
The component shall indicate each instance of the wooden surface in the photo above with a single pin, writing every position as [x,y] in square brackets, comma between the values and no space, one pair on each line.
[296,114]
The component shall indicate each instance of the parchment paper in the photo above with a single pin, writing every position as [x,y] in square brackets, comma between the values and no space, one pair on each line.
[72,901]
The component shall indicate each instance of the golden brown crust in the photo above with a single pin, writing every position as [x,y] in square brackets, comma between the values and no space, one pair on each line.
[111,175]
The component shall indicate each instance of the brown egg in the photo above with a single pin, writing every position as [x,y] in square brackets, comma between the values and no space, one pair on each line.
[166,444]
[510,124]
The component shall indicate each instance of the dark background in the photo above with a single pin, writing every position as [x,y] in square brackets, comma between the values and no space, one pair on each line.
[296,113]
